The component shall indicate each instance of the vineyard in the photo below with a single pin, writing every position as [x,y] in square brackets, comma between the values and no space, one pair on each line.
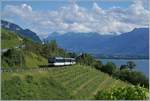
[78,82]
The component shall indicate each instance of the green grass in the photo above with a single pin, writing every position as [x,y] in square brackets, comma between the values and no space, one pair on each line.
[33,60]
[72,82]
[9,39]
[36,88]
[29,60]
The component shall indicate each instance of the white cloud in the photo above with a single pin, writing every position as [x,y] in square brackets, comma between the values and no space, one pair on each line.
[24,10]
[76,27]
[80,19]
[97,9]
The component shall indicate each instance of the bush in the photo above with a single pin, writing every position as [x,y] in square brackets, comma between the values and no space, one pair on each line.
[16,79]
[133,77]
[14,58]
[109,68]
[29,78]
[123,93]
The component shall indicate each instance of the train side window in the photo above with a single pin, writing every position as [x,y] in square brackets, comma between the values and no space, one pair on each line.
[59,60]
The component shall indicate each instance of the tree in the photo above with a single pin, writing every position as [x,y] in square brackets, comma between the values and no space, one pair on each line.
[49,49]
[97,64]
[53,45]
[85,59]
[109,68]
[131,65]
[122,67]
[72,54]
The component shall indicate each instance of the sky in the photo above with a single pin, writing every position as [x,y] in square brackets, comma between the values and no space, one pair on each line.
[102,16]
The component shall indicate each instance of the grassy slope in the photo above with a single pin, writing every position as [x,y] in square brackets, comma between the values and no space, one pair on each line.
[33,60]
[9,39]
[72,82]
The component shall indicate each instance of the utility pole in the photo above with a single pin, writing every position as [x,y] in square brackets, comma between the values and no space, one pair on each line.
[21,61]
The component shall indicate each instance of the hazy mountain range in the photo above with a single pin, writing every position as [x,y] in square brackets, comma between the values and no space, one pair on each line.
[134,43]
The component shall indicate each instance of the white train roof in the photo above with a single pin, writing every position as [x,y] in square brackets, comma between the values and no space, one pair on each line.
[63,58]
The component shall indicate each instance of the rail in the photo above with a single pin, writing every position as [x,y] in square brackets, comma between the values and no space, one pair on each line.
[30,69]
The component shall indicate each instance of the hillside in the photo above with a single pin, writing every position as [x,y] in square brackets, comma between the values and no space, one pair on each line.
[25,74]
[9,39]
[134,43]
[16,56]
[71,82]
[32,82]
[20,31]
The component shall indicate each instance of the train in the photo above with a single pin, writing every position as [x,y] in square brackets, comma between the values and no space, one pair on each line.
[60,61]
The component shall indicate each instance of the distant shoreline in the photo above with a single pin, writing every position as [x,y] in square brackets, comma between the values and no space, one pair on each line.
[125,58]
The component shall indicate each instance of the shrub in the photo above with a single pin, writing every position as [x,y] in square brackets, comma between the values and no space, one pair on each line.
[29,78]
[16,79]
[133,77]
[123,93]
[14,58]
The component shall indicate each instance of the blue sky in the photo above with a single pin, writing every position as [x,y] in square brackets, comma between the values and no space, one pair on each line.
[108,16]
[53,5]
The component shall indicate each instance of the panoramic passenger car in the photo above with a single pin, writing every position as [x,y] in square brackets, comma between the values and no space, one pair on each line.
[60,61]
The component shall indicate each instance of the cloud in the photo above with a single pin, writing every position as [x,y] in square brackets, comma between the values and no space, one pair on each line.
[97,9]
[76,27]
[23,10]
[74,18]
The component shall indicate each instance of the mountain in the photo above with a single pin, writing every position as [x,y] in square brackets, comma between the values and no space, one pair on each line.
[134,43]
[79,42]
[20,31]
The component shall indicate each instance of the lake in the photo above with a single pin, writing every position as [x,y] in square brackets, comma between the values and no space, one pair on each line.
[141,64]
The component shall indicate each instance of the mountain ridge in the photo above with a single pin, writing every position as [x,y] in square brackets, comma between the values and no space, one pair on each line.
[134,42]
[27,33]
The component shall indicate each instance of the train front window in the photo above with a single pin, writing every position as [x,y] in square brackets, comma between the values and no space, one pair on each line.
[51,60]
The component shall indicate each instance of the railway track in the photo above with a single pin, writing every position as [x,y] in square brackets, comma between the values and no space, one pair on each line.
[32,69]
